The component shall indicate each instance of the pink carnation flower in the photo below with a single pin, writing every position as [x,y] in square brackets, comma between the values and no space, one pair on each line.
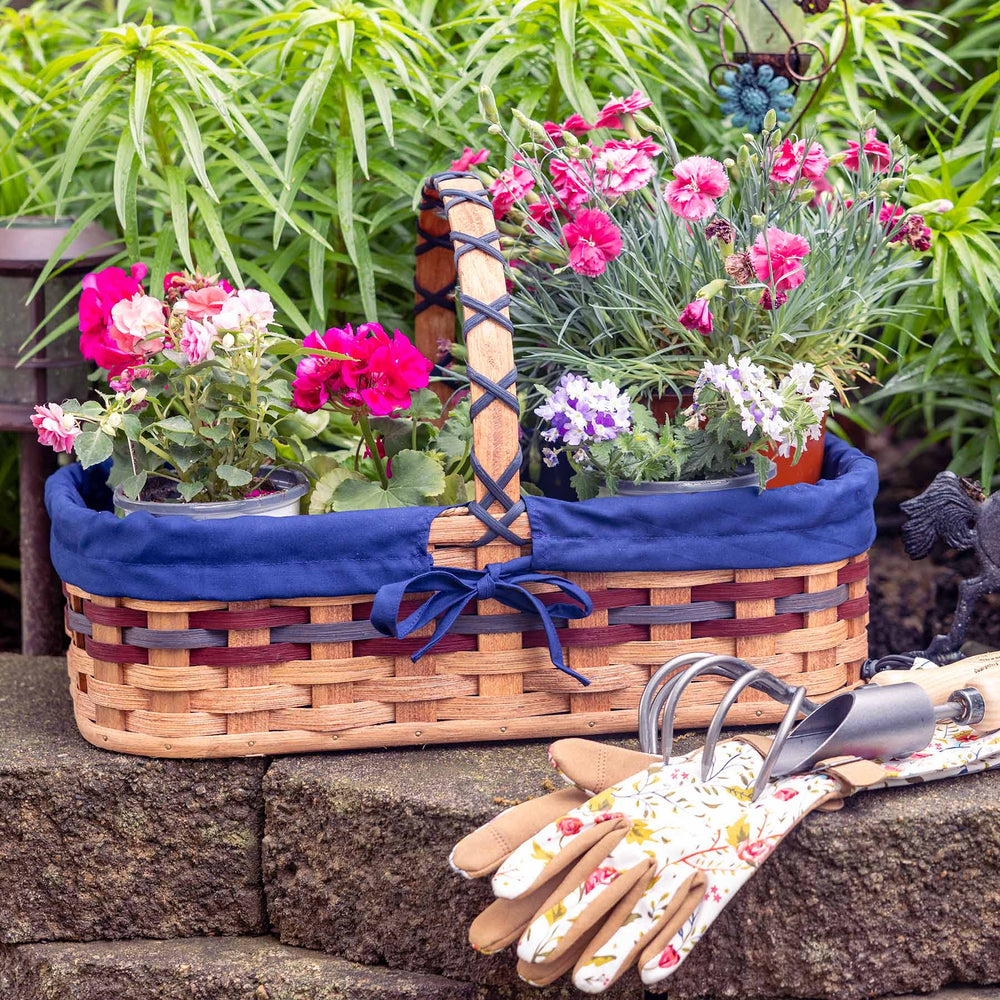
[469,159]
[102,290]
[610,115]
[698,181]
[572,185]
[205,302]
[379,373]
[794,161]
[777,256]
[542,213]
[56,430]
[512,185]
[696,316]
[623,166]
[878,153]
[576,124]
[138,325]
[593,240]
[197,340]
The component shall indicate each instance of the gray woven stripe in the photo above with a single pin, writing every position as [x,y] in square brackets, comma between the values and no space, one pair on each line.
[332,632]
[672,614]
[819,601]
[174,638]
[78,622]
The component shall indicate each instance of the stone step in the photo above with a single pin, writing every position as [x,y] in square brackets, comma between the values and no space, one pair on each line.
[234,968]
[101,845]
[898,892]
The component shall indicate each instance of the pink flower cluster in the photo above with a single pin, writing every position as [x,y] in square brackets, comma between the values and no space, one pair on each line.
[777,259]
[593,240]
[377,374]
[876,152]
[56,430]
[794,160]
[697,182]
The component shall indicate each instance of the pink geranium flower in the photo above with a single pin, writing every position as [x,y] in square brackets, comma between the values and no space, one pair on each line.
[696,316]
[593,240]
[794,161]
[777,257]
[697,182]
[469,159]
[610,115]
[102,290]
[205,302]
[572,185]
[620,167]
[56,429]
[512,185]
[576,124]
[125,381]
[878,153]
[138,325]
[197,340]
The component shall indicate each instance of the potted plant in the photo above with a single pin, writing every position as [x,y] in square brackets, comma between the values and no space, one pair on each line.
[630,263]
[719,442]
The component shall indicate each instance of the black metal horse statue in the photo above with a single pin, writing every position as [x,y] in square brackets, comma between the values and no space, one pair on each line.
[956,511]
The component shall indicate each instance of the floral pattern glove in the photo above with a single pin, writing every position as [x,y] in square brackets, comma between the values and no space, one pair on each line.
[678,849]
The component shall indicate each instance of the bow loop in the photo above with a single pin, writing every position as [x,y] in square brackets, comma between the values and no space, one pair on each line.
[452,589]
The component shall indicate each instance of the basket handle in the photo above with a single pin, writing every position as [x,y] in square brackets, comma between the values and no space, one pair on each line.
[464,239]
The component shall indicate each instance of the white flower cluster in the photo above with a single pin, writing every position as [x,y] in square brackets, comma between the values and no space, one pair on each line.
[581,411]
[773,411]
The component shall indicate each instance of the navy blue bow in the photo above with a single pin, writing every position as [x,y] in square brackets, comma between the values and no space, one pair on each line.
[452,589]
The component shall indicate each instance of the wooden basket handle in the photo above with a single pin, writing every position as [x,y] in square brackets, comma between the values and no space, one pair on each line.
[457,232]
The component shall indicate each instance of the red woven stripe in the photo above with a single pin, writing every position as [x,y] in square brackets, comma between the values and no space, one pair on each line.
[246,619]
[747,591]
[118,617]
[856,607]
[604,599]
[607,635]
[406,647]
[853,572]
[235,656]
[112,652]
[724,628]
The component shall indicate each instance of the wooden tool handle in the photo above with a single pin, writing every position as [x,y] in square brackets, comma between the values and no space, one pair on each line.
[988,685]
[939,682]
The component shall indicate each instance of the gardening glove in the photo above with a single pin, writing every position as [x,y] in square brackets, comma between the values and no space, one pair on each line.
[590,767]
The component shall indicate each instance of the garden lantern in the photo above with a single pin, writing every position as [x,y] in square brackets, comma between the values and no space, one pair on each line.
[55,371]
[766,56]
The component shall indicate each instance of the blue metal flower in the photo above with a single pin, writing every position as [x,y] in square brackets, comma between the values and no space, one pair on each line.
[750,92]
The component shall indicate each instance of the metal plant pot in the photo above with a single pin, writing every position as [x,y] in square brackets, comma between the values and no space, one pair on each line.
[291,486]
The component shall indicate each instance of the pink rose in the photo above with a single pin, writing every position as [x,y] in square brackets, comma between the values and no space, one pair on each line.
[571,182]
[601,876]
[668,957]
[569,825]
[512,185]
[138,324]
[878,154]
[102,290]
[777,257]
[469,159]
[785,794]
[794,161]
[205,302]
[697,182]
[753,852]
[593,240]
[696,316]
[197,340]
[623,166]
[56,429]
[610,115]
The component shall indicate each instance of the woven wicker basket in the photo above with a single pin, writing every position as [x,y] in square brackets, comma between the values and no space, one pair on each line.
[218,679]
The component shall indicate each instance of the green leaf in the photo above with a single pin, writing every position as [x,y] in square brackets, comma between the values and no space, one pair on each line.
[177,191]
[356,116]
[214,226]
[416,479]
[132,485]
[92,448]
[345,38]
[233,476]
[190,490]
[138,103]
[177,424]
[321,499]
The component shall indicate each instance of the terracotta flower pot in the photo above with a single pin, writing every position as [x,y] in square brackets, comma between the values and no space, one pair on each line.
[807,469]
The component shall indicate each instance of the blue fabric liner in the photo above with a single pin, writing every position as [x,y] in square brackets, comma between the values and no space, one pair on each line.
[357,552]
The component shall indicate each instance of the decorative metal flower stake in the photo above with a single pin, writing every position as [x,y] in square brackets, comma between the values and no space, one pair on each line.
[765,56]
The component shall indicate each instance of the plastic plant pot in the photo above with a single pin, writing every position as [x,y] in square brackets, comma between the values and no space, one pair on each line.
[291,486]
[745,479]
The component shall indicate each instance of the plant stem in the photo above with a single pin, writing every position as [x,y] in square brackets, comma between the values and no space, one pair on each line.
[366,433]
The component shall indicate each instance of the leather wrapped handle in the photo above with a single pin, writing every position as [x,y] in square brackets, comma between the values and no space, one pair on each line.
[458,247]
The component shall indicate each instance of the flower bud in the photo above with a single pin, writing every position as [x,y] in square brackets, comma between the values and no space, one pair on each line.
[711,289]
[488,104]
[115,419]
[647,124]
[138,395]
[569,139]
[890,184]
[805,196]
[757,220]
[749,137]
[869,120]
[584,153]
[495,129]
[775,140]
[228,341]
[836,159]
[743,158]
[729,163]
[770,119]
[938,207]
